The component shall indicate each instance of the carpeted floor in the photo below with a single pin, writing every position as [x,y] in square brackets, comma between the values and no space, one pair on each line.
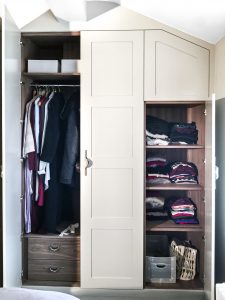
[146,294]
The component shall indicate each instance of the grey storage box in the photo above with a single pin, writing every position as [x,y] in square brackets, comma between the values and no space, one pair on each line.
[43,66]
[160,269]
[70,66]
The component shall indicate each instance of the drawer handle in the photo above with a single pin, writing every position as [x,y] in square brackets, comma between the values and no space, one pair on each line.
[161,266]
[54,269]
[54,248]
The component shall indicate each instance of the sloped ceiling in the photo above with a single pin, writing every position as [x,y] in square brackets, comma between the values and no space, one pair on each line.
[204,19]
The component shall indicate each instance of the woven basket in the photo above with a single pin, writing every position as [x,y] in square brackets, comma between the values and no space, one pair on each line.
[186,257]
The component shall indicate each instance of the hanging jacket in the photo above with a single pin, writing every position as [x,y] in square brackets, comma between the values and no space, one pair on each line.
[70,115]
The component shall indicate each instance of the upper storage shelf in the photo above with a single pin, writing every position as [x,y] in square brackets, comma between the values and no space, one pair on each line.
[50,46]
[51,76]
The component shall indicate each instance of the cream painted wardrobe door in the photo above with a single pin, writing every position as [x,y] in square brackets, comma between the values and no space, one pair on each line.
[209,257]
[175,69]
[11,150]
[112,128]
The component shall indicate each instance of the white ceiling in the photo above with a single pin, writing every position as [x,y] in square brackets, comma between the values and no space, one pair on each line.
[204,19]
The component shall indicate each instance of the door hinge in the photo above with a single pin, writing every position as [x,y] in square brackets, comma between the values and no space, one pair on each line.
[203,237]
[21,274]
[204,161]
[21,198]
[22,44]
[205,112]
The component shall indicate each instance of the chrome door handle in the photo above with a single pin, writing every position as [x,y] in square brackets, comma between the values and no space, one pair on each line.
[88,162]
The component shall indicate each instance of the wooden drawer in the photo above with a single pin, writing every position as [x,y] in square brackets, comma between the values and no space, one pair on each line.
[56,270]
[54,248]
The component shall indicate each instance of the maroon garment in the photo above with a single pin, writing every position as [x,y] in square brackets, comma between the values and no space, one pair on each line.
[41,190]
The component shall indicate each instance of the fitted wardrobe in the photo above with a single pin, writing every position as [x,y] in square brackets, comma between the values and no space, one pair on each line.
[125,77]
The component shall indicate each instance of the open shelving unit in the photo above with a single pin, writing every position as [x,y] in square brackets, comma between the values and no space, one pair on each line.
[180,112]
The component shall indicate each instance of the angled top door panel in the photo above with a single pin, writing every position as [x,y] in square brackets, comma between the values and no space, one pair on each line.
[175,69]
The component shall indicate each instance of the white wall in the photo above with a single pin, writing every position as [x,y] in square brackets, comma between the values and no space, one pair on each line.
[220,69]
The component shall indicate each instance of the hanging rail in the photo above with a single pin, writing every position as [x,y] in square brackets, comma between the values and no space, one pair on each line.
[54,85]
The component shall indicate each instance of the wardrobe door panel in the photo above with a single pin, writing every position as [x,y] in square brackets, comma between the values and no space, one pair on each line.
[112,68]
[112,111]
[116,258]
[209,263]
[106,123]
[175,69]
[11,155]
[114,199]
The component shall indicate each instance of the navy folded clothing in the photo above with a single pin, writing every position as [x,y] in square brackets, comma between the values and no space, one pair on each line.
[157,126]
[183,133]
[186,221]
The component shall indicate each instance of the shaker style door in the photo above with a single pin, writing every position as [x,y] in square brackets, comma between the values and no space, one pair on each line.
[112,139]
[11,151]
[210,180]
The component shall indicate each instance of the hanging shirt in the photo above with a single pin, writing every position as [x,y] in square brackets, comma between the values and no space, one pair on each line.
[36,123]
[27,197]
[28,138]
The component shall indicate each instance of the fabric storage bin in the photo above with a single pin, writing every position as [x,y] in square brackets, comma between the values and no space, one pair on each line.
[186,257]
[160,269]
[70,66]
[43,66]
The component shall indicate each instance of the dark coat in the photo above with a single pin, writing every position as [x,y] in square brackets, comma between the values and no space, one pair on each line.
[71,118]
[52,153]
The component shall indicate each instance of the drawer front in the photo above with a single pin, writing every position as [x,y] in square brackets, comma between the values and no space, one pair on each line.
[57,270]
[54,248]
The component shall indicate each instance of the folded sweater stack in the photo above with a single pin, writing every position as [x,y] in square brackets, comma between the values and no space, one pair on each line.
[157,170]
[155,209]
[161,132]
[157,131]
[182,210]
[183,133]
[183,172]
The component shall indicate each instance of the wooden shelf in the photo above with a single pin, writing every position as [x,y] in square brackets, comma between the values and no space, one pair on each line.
[195,284]
[51,235]
[169,225]
[51,76]
[174,186]
[175,146]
